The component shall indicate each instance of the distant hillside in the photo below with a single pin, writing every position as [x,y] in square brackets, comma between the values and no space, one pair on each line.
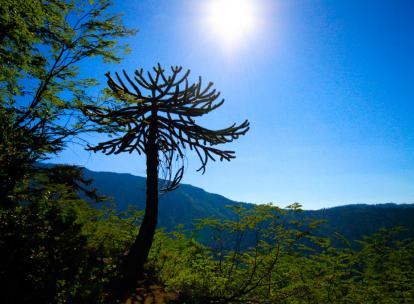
[188,203]
[181,206]
[355,221]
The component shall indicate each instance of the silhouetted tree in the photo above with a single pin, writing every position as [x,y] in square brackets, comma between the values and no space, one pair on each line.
[155,115]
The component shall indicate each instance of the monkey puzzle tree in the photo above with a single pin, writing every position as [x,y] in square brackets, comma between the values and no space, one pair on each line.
[155,115]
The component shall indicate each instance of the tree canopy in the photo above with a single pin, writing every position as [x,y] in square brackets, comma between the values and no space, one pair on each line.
[175,104]
[42,44]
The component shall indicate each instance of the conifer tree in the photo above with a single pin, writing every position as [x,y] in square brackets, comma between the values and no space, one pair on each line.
[154,114]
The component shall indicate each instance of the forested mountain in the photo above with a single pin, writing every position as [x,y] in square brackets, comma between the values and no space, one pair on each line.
[181,206]
[188,203]
[356,221]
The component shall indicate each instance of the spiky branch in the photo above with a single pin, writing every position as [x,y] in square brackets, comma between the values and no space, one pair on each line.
[176,104]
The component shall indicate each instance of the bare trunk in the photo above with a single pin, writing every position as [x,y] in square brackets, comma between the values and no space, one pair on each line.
[133,266]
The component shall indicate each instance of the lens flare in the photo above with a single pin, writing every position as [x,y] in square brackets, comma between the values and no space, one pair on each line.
[233,21]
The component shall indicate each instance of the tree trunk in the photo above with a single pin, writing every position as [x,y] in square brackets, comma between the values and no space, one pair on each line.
[133,266]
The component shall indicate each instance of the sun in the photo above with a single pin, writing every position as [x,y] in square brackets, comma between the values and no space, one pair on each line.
[232,21]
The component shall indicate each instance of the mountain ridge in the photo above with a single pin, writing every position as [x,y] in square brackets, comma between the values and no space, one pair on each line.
[188,203]
[351,205]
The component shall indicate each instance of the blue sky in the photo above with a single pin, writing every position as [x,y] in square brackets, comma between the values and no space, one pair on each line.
[328,87]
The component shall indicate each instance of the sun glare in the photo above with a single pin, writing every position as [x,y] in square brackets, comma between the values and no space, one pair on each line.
[231,20]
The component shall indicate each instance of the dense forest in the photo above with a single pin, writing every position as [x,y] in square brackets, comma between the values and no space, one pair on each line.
[65,238]
[60,249]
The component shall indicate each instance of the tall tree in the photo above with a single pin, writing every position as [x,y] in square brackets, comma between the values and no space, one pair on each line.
[155,115]
[42,44]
